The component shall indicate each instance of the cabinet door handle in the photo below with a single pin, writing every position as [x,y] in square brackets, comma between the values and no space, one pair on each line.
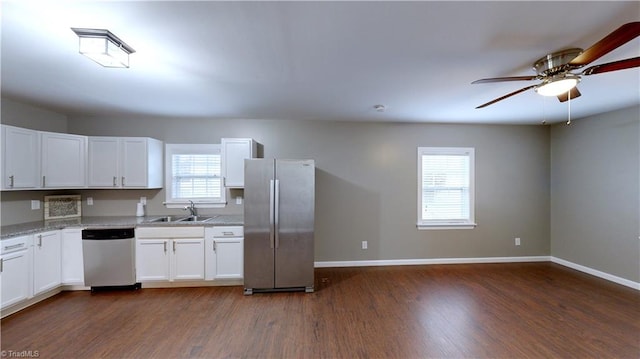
[8,248]
[44,181]
[115,181]
[165,247]
[39,240]
[122,181]
[214,246]
[174,246]
[11,181]
[1,265]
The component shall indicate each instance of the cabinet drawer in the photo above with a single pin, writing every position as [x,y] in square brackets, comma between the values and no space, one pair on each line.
[15,244]
[170,232]
[227,231]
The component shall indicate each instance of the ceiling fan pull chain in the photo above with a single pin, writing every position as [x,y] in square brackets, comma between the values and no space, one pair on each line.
[569,101]
[544,110]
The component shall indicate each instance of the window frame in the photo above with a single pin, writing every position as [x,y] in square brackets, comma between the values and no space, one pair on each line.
[185,148]
[468,223]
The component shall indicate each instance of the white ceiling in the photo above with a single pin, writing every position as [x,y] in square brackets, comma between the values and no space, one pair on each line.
[312,60]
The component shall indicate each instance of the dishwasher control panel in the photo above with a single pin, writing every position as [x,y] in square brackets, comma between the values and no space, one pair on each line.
[108,233]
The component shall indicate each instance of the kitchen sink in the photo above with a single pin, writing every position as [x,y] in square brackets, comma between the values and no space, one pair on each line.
[163,219]
[167,219]
[196,219]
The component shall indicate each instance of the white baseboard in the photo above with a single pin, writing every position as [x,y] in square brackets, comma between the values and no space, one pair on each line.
[193,283]
[597,273]
[29,302]
[410,262]
[406,262]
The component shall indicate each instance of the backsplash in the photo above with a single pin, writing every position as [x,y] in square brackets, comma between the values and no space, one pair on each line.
[16,205]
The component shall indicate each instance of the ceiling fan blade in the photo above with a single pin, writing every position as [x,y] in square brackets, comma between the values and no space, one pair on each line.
[612,66]
[617,38]
[573,93]
[503,79]
[506,96]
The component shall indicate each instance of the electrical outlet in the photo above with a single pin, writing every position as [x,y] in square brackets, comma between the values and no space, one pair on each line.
[35,204]
[143,200]
[238,200]
[517,241]
[89,201]
[365,245]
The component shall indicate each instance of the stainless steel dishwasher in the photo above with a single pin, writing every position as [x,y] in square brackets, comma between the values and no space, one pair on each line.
[109,258]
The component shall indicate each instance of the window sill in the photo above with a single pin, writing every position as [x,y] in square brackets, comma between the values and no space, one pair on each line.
[441,226]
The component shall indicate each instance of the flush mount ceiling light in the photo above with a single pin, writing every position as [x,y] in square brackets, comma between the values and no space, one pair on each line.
[559,85]
[103,47]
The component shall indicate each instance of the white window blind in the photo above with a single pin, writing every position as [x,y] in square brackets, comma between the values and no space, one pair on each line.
[194,173]
[196,176]
[445,187]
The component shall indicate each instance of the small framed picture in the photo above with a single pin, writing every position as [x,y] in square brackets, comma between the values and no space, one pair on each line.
[67,206]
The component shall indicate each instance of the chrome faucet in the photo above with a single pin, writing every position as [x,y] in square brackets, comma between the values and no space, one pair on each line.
[192,209]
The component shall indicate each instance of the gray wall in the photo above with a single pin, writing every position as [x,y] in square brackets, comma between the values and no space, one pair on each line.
[595,192]
[367,182]
[19,114]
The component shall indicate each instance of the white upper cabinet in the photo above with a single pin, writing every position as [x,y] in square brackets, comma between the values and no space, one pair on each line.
[142,162]
[103,162]
[64,158]
[125,162]
[234,152]
[20,158]
[37,160]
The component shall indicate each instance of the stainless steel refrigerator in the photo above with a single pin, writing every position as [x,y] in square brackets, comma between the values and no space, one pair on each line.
[278,225]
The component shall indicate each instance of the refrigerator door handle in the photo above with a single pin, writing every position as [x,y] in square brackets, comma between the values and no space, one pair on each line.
[277,213]
[271,215]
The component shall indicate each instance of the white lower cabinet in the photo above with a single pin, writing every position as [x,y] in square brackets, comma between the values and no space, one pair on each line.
[15,270]
[187,259]
[152,260]
[224,252]
[34,264]
[169,253]
[46,261]
[30,265]
[72,263]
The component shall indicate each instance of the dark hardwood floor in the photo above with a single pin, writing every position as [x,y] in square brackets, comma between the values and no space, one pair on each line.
[526,310]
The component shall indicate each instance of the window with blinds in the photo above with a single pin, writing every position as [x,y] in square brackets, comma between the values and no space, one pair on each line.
[445,187]
[194,174]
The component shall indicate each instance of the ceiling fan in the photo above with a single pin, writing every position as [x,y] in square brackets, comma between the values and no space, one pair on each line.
[555,69]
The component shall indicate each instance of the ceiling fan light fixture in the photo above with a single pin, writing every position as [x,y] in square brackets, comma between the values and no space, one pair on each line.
[103,47]
[558,85]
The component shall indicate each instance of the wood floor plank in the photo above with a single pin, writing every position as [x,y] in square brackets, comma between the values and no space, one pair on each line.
[523,310]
